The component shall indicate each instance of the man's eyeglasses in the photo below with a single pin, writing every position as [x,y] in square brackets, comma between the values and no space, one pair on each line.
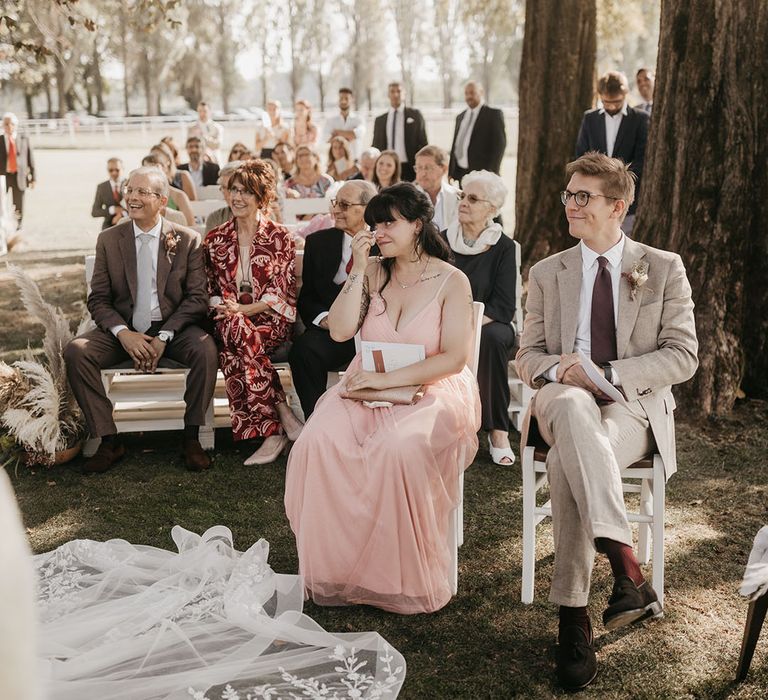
[140,191]
[581,197]
[471,198]
[341,204]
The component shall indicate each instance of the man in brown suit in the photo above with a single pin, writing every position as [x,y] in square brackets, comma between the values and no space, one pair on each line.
[627,308]
[148,292]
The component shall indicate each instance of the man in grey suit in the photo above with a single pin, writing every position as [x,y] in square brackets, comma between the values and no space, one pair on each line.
[148,297]
[16,162]
[108,202]
[627,307]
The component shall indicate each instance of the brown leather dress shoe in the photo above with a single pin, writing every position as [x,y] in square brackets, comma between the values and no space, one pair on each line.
[196,458]
[109,453]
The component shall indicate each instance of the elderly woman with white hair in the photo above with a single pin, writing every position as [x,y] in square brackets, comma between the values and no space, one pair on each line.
[488,258]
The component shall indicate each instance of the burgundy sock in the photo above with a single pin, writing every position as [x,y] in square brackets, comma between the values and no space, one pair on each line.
[622,559]
[575,616]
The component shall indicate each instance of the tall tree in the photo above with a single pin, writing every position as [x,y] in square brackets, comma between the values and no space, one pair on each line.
[705,186]
[556,86]
[447,14]
[299,31]
[409,21]
[321,45]
[365,19]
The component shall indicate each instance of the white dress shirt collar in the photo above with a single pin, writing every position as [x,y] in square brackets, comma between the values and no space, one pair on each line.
[154,231]
[589,257]
[622,113]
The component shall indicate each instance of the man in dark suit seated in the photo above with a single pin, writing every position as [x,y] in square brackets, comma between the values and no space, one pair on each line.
[479,137]
[202,172]
[401,129]
[327,261]
[108,203]
[148,297]
[618,130]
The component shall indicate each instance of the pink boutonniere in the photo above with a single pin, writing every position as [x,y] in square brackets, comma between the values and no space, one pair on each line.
[171,241]
[636,277]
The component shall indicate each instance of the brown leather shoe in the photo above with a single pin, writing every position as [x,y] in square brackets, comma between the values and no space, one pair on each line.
[196,458]
[107,455]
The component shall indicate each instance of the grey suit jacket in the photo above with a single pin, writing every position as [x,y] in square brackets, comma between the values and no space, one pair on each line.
[103,201]
[656,332]
[25,161]
[181,281]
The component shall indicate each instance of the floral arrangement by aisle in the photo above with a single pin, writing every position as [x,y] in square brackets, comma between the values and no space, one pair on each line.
[39,417]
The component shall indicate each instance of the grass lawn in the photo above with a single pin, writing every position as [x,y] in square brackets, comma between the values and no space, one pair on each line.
[485,643]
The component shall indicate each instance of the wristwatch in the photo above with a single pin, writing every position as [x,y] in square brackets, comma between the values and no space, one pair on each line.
[606,367]
[165,336]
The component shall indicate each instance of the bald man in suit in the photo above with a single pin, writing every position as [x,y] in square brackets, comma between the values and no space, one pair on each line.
[148,298]
[627,307]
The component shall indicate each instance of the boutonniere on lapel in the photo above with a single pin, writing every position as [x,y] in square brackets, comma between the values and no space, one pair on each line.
[171,241]
[636,277]
[409,120]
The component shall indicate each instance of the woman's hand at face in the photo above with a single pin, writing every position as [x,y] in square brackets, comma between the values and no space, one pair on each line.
[360,379]
[362,242]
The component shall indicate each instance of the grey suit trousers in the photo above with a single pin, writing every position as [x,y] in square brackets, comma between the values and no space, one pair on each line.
[589,444]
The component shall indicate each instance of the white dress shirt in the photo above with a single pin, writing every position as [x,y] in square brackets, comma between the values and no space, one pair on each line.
[466,127]
[154,247]
[352,122]
[399,145]
[197,175]
[119,185]
[612,124]
[341,274]
[589,268]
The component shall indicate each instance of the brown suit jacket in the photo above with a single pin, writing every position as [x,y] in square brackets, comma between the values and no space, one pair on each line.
[181,283]
[656,332]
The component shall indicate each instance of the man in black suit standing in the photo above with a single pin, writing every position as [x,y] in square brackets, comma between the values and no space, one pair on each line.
[107,204]
[327,261]
[202,172]
[401,129]
[16,162]
[618,130]
[479,137]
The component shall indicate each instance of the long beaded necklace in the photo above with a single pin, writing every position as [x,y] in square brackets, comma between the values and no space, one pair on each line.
[413,284]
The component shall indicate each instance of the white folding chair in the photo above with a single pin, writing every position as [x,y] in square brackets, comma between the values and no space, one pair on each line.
[294,208]
[456,525]
[208,192]
[650,516]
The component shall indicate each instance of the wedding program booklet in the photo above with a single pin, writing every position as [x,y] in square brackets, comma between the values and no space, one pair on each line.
[597,378]
[387,357]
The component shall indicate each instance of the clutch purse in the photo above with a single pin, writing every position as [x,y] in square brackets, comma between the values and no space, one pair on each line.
[398,396]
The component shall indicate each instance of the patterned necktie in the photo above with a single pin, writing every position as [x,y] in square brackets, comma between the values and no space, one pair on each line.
[602,325]
[142,311]
[394,126]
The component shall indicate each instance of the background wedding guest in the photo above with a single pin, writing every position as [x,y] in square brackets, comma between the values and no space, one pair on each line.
[250,262]
[148,299]
[218,217]
[366,164]
[16,162]
[168,141]
[202,172]
[108,203]
[211,133]
[479,137]
[285,156]
[369,492]
[327,262]
[304,130]
[177,199]
[341,165]
[645,79]
[346,123]
[431,169]
[308,180]
[400,129]
[269,135]
[237,152]
[600,129]
[386,172]
[179,179]
[487,257]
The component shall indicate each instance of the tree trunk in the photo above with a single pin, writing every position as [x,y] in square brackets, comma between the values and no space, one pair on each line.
[28,104]
[124,58]
[321,89]
[225,64]
[61,98]
[98,81]
[556,86]
[705,187]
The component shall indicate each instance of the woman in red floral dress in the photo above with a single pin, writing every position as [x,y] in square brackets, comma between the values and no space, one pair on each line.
[250,263]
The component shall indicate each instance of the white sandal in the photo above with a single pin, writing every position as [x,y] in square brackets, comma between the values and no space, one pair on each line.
[499,453]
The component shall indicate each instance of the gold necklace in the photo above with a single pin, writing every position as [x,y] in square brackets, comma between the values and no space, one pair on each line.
[408,286]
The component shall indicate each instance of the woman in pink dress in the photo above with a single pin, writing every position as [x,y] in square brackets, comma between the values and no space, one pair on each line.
[370,491]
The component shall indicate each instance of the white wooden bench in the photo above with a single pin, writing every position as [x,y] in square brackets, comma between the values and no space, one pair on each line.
[304,206]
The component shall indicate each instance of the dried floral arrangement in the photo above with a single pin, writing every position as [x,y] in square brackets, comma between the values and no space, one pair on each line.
[38,412]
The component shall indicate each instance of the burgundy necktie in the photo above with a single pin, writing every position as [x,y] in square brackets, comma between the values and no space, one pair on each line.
[602,325]
[348,268]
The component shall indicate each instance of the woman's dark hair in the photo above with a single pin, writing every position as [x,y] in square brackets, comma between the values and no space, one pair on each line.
[411,204]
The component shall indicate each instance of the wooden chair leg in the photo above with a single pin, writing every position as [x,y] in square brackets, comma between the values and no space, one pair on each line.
[755,619]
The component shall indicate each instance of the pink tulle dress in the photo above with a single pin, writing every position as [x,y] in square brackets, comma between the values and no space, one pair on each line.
[369,491]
